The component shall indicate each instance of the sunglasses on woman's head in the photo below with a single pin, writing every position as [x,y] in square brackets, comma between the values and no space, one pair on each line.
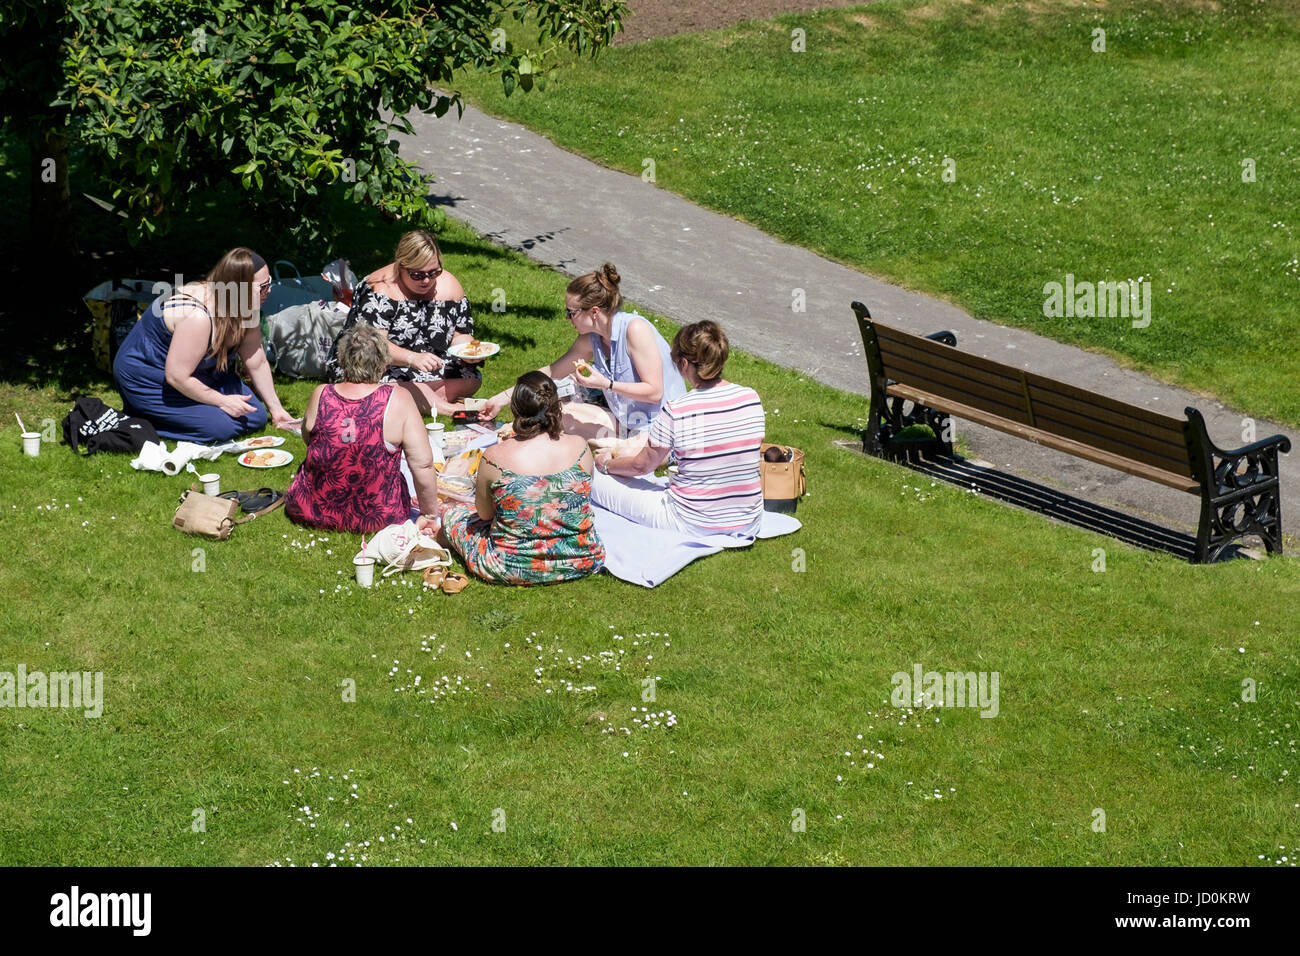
[418,276]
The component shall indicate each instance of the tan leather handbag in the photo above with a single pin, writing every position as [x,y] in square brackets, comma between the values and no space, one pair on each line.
[784,481]
[210,516]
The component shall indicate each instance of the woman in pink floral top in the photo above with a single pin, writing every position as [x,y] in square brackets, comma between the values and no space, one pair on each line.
[357,431]
[531,523]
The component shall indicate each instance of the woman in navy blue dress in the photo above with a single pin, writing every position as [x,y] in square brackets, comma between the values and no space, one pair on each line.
[175,368]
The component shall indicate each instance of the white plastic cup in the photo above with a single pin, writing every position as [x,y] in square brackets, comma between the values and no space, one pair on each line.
[364,566]
[32,444]
[211,483]
[437,434]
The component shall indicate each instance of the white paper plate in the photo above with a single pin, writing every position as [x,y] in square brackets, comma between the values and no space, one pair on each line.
[461,350]
[269,458]
[261,442]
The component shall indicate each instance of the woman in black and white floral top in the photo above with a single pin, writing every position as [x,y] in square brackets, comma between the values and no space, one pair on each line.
[421,310]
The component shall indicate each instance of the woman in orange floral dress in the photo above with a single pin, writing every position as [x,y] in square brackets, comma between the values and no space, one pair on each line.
[531,522]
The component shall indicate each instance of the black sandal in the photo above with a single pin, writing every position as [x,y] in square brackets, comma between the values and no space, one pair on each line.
[255,502]
[262,500]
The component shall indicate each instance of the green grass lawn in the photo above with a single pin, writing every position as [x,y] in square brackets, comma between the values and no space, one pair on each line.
[1115,165]
[224,666]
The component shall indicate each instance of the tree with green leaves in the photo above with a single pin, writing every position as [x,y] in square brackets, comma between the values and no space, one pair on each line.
[286,103]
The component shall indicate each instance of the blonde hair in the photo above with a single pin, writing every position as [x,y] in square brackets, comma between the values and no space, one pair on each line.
[415,248]
[704,345]
[236,302]
[599,289]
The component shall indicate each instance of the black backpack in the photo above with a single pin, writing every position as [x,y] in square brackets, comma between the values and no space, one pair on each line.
[101,428]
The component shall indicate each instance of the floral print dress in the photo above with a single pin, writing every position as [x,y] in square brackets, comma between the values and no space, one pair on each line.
[421,325]
[542,531]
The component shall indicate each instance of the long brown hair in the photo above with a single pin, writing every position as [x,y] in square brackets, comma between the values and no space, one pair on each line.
[236,302]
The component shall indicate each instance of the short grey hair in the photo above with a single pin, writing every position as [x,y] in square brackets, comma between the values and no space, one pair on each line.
[363,354]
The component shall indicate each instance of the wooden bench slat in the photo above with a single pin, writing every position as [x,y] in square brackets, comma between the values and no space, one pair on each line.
[995,400]
[1117,436]
[1040,437]
[971,398]
[913,361]
[1137,412]
[946,354]
[1044,421]
[1168,435]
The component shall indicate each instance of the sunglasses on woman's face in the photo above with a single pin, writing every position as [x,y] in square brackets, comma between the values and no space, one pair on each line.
[265,287]
[418,276]
[570,313]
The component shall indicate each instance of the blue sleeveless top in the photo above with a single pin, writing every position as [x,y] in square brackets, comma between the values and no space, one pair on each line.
[633,416]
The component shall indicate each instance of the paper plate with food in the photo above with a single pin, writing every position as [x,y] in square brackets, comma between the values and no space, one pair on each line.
[456,484]
[474,349]
[269,458]
[263,441]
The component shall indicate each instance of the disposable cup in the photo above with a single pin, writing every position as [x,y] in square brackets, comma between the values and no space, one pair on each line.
[211,483]
[31,443]
[437,432]
[365,568]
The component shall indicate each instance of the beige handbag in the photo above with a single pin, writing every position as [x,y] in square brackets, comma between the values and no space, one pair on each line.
[210,516]
[784,482]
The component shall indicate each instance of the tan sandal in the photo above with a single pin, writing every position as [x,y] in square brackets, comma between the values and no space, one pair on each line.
[454,583]
[433,577]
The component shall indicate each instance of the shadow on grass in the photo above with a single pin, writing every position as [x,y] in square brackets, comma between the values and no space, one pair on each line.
[1057,505]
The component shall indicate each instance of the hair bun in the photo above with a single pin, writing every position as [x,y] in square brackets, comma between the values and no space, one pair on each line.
[611,274]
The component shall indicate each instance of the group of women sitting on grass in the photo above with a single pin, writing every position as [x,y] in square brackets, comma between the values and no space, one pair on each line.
[531,520]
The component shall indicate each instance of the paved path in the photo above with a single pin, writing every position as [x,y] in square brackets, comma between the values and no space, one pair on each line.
[689,264]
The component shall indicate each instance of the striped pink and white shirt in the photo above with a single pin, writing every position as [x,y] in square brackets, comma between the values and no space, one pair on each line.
[715,433]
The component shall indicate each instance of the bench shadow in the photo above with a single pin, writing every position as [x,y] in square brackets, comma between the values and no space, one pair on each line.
[1057,505]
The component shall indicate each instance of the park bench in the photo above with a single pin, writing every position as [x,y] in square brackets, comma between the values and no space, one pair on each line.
[1239,489]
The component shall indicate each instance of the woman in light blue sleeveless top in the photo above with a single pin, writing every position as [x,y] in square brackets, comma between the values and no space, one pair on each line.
[621,354]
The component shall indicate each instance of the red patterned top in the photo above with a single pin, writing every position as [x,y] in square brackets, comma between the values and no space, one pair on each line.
[350,480]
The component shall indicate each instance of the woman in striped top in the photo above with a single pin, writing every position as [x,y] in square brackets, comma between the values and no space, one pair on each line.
[714,431]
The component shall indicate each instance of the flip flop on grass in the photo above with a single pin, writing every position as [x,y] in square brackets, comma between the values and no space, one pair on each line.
[255,502]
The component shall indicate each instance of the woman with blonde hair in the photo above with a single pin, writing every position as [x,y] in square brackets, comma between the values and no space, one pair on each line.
[420,310]
[175,367]
[621,354]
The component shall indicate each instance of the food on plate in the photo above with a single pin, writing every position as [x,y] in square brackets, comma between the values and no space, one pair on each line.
[474,349]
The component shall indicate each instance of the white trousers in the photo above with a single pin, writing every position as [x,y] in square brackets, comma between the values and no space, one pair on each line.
[639,501]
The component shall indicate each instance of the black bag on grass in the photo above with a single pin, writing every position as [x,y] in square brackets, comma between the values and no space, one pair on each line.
[101,428]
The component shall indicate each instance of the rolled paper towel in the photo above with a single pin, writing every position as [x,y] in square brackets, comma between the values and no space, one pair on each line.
[150,457]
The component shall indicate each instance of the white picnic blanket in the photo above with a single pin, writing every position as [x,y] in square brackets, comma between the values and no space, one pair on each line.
[650,556]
